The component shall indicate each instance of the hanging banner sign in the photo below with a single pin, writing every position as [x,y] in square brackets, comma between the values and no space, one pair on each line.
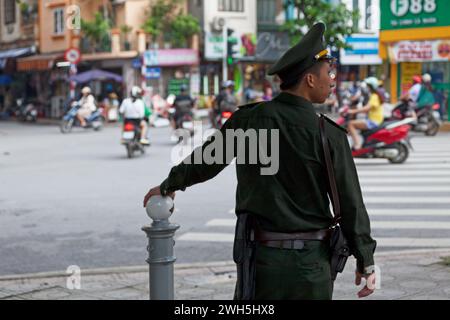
[420,51]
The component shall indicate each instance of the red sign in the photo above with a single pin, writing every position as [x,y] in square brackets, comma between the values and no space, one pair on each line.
[73,55]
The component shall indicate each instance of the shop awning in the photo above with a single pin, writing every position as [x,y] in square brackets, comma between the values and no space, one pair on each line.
[14,53]
[38,62]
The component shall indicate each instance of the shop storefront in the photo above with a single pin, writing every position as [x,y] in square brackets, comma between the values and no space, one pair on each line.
[415,39]
[164,71]
[122,64]
[44,83]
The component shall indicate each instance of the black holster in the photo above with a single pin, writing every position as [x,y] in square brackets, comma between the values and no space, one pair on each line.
[339,252]
[244,252]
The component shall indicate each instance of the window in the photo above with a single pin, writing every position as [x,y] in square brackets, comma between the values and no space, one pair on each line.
[266,11]
[231,5]
[10,11]
[369,14]
[58,21]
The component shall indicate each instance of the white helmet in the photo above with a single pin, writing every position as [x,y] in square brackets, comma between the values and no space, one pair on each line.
[136,91]
[426,78]
[86,90]
[373,82]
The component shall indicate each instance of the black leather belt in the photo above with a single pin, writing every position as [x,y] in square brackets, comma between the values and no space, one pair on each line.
[294,240]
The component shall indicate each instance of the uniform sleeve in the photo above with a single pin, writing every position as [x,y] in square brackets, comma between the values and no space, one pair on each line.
[195,168]
[355,221]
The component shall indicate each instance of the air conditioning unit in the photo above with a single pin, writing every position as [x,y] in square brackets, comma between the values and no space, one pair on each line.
[217,24]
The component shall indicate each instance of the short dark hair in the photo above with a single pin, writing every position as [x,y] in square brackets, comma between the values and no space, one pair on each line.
[314,69]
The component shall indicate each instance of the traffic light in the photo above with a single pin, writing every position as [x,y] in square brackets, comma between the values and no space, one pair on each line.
[231,42]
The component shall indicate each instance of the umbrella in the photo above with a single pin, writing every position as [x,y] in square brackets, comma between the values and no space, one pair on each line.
[95,74]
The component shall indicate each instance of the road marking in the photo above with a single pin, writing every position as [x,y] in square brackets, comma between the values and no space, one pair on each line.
[221,222]
[406,189]
[403,180]
[413,242]
[402,174]
[406,166]
[409,212]
[381,241]
[407,199]
[437,225]
[206,237]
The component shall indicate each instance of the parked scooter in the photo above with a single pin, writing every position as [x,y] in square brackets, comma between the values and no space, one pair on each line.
[95,120]
[426,119]
[26,111]
[388,141]
[131,136]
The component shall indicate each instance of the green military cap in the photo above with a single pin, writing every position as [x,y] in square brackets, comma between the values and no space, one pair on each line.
[303,55]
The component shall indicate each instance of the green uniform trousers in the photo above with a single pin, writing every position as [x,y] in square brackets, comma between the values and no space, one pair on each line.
[294,274]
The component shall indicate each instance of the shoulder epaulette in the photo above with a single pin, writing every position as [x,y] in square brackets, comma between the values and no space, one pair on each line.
[334,123]
[249,105]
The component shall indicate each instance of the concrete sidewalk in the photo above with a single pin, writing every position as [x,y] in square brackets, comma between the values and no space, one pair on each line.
[404,275]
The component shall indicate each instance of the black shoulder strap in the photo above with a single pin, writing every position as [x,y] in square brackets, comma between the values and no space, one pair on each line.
[330,171]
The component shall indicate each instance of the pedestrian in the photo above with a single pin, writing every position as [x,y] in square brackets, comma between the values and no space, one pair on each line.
[268,93]
[289,207]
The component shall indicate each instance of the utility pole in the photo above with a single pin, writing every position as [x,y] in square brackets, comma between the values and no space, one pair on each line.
[224,57]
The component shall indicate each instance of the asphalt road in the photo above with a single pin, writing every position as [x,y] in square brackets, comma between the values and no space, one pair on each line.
[76,199]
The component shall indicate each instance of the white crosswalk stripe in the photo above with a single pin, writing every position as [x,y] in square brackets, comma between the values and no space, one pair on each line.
[402,200]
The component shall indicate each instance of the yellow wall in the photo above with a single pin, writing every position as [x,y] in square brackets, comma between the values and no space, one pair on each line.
[48,41]
[134,15]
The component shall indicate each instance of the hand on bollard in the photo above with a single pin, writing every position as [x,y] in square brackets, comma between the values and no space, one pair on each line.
[156,191]
[369,288]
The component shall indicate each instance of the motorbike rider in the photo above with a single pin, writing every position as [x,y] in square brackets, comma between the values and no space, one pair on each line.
[183,104]
[414,91]
[87,106]
[373,108]
[229,101]
[133,110]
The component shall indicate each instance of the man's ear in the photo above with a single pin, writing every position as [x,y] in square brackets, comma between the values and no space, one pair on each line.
[310,81]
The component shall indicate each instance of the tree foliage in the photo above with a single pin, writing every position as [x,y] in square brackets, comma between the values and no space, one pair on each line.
[165,19]
[97,31]
[337,18]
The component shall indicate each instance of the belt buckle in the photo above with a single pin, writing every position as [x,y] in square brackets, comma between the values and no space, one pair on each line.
[297,244]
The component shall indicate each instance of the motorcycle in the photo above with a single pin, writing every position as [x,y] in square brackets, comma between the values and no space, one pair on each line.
[131,136]
[26,111]
[185,121]
[95,120]
[388,141]
[426,119]
[222,118]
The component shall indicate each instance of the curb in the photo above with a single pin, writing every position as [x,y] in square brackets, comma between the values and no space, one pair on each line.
[105,271]
[199,265]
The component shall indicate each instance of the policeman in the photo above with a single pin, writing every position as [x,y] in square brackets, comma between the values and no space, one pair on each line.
[292,203]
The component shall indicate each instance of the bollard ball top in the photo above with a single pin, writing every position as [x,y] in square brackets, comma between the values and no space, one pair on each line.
[159,207]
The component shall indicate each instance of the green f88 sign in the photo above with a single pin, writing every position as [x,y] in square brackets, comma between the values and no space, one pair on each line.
[404,14]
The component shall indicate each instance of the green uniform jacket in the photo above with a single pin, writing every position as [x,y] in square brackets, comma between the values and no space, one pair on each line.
[295,198]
